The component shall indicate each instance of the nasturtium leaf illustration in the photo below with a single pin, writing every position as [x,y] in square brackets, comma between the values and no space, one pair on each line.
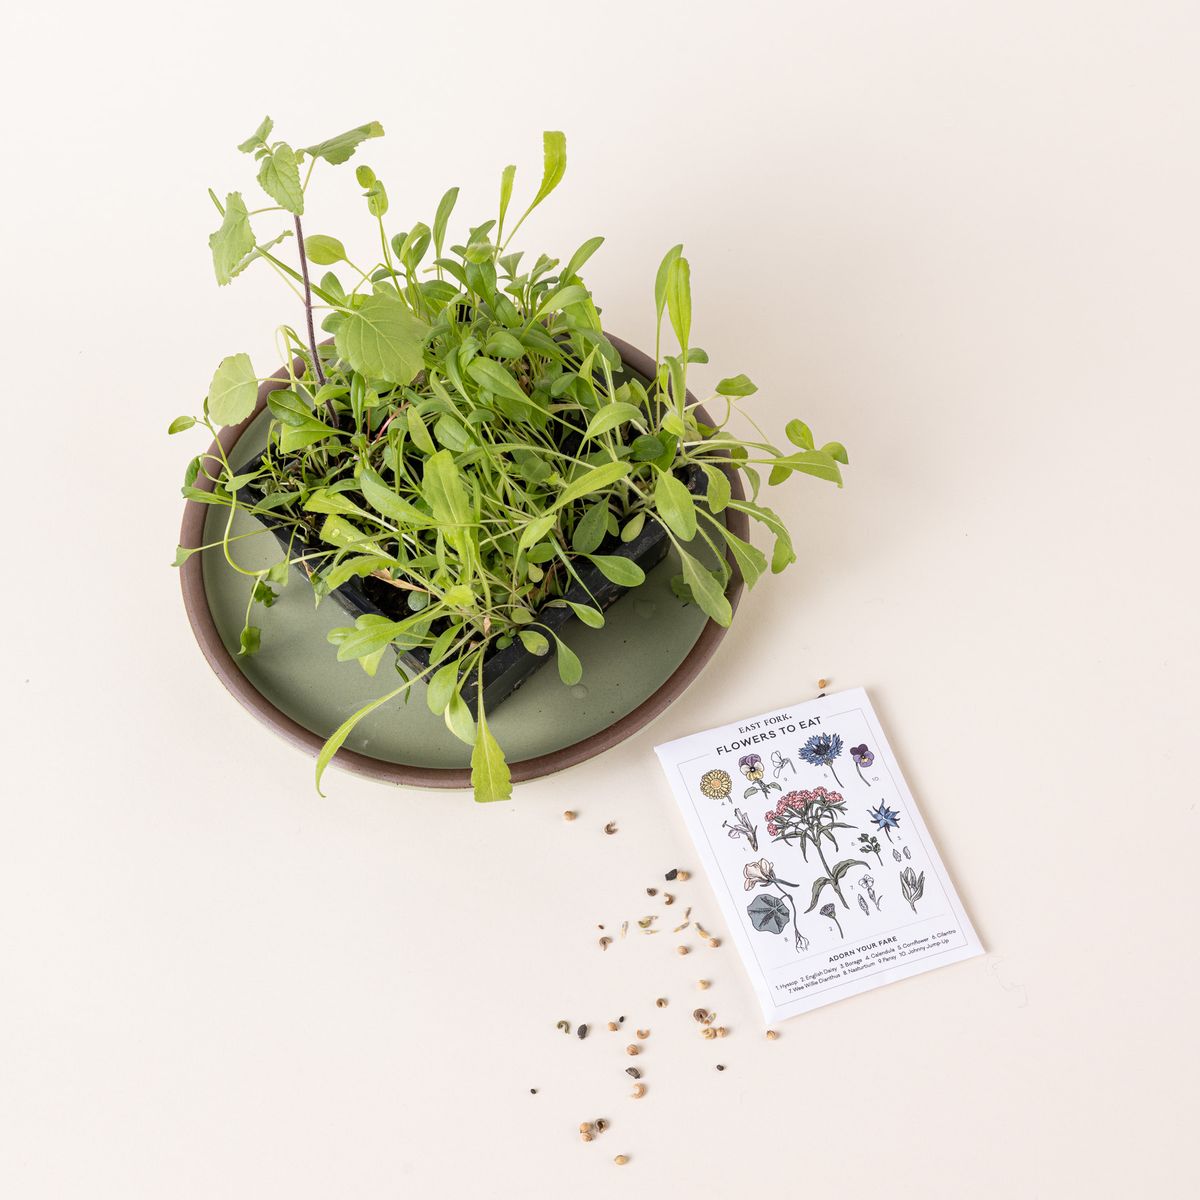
[768,914]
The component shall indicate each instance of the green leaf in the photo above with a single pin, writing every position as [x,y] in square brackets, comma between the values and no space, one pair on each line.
[382,339]
[554,165]
[372,633]
[589,533]
[736,385]
[535,531]
[750,559]
[296,437]
[648,448]
[706,591]
[618,569]
[595,480]
[289,407]
[490,776]
[502,344]
[442,686]
[589,616]
[495,378]
[258,137]
[323,250]
[250,641]
[180,424]
[458,719]
[534,642]
[633,526]
[570,669]
[385,501]
[443,490]
[674,504]
[337,149]
[612,415]
[506,187]
[679,300]
[279,177]
[718,488]
[579,258]
[233,390]
[343,731]
[233,241]
[837,452]
[444,209]
[419,433]
[799,434]
[660,280]
[783,553]
[810,462]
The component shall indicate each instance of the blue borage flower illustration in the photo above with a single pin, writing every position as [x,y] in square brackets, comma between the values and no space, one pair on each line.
[885,819]
[751,765]
[821,749]
[769,913]
[862,757]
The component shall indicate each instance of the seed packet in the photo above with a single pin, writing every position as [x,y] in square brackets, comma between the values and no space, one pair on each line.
[827,876]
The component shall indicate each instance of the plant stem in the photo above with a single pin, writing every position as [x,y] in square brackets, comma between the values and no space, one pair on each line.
[829,874]
[308,309]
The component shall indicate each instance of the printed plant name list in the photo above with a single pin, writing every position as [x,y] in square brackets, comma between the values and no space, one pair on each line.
[826,873]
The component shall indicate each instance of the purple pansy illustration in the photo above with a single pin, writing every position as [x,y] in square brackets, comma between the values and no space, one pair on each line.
[862,758]
[751,765]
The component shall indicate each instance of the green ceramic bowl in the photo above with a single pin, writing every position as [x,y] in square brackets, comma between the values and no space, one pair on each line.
[650,649]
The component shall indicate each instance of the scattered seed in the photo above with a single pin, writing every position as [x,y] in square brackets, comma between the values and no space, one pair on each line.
[633,1072]
[708,1032]
[586,1136]
[605,942]
[613,1026]
[585,1127]
[822,683]
[646,922]
[672,874]
[682,876]
[621,1159]
[668,898]
[621,1020]
[601,1124]
[702,931]
[687,912]
[611,827]
[772,1034]
[698,1014]
[632,1049]
[568,815]
[533,1091]
[581,1032]
[661,1002]
[643,1034]
[639,1090]
[722,1031]
[714,942]
[702,984]
[565,1026]
[720,1066]
[681,928]
[682,949]
[652,891]
[624,928]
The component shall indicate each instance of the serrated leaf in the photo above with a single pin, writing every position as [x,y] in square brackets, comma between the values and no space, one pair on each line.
[382,339]
[233,390]
[279,177]
[337,149]
[258,137]
[233,241]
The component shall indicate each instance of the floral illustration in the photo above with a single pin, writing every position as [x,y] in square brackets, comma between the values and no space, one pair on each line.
[716,784]
[862,758]
[896,855]
[751,765]
[869,844]
[907,852]
[885,819]
[821,749]
[912,886]
[742,827]
[827,910]
[778,762]
[862,903]
[769,913]
[868,885]
[810,818]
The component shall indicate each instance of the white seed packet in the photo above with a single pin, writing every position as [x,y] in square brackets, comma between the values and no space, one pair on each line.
[828,878]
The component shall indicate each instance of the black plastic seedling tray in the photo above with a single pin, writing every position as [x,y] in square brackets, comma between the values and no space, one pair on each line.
[503,670]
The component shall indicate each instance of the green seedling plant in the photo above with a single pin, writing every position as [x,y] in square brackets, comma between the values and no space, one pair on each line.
[465,433]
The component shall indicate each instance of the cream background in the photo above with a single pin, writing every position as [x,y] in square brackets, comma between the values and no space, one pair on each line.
[962,238]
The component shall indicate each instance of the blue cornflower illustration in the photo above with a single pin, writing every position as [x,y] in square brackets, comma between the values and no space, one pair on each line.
[885,819]
[821,749]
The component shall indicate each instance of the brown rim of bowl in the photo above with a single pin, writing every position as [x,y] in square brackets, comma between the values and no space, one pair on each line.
[195,602]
